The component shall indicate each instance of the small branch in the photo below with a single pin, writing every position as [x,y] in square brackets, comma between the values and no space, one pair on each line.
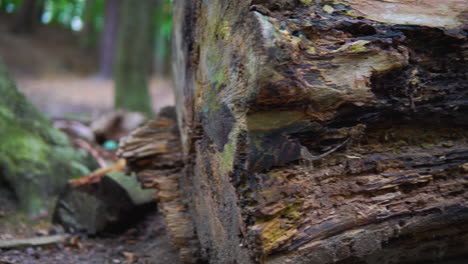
[96,175]
[309,157]
[32,242]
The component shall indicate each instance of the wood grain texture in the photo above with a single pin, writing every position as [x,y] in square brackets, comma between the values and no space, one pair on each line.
[154,152]
[314,134]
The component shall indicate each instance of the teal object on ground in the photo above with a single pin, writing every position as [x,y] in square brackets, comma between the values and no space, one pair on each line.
[110,145]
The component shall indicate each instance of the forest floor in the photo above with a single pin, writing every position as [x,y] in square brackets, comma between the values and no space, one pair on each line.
[56,75]
[146,242]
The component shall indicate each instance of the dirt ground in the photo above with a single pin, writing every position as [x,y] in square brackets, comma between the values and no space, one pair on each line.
[69,95]
[57,76]
[145,243]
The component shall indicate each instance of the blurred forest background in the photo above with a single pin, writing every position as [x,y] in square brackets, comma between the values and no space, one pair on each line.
[86,57]
[97,69]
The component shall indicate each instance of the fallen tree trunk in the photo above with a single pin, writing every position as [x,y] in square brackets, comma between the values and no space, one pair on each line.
[323,131]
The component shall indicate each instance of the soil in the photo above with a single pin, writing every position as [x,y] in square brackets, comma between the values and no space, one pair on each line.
[70,95]
[147,242]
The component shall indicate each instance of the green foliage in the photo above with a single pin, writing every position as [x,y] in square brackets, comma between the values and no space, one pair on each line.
[77,14]
[163,32]
[163,18]
[10,6]
[71,14]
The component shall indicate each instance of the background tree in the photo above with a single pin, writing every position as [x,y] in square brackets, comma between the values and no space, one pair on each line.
[28,16]
[90,32]
[134,50]
[163,29]
[109,38]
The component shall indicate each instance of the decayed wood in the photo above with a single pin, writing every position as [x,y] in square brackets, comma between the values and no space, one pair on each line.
[32,242]
[324,131]
[105,200]
[154,152]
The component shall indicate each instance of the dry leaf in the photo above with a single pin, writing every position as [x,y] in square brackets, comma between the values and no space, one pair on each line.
[75,242]
[130,257]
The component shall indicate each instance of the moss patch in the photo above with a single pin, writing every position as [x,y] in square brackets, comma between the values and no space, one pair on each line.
[35,158]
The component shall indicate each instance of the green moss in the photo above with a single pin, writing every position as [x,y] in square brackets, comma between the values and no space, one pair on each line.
[280,227]
[227,157]
[354,47]
[35,159]
[224,29]
[6,113]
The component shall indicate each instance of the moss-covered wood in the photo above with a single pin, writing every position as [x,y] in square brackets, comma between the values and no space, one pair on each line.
[36,160]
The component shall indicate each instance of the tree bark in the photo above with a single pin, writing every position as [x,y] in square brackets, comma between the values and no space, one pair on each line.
[322,132]
[133,60]
[89,34]
[316,132]
[36,160]
[28,15]
[109,38]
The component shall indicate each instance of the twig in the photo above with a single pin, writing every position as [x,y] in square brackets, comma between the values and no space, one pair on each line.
[309,157]
[32,242]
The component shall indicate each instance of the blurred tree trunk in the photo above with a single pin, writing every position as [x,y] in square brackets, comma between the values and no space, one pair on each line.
[109,38]
[36,159]
[322,131]
[89,34]
[133,61]
[28,16]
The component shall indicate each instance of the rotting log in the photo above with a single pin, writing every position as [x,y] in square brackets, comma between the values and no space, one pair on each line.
[323,131]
